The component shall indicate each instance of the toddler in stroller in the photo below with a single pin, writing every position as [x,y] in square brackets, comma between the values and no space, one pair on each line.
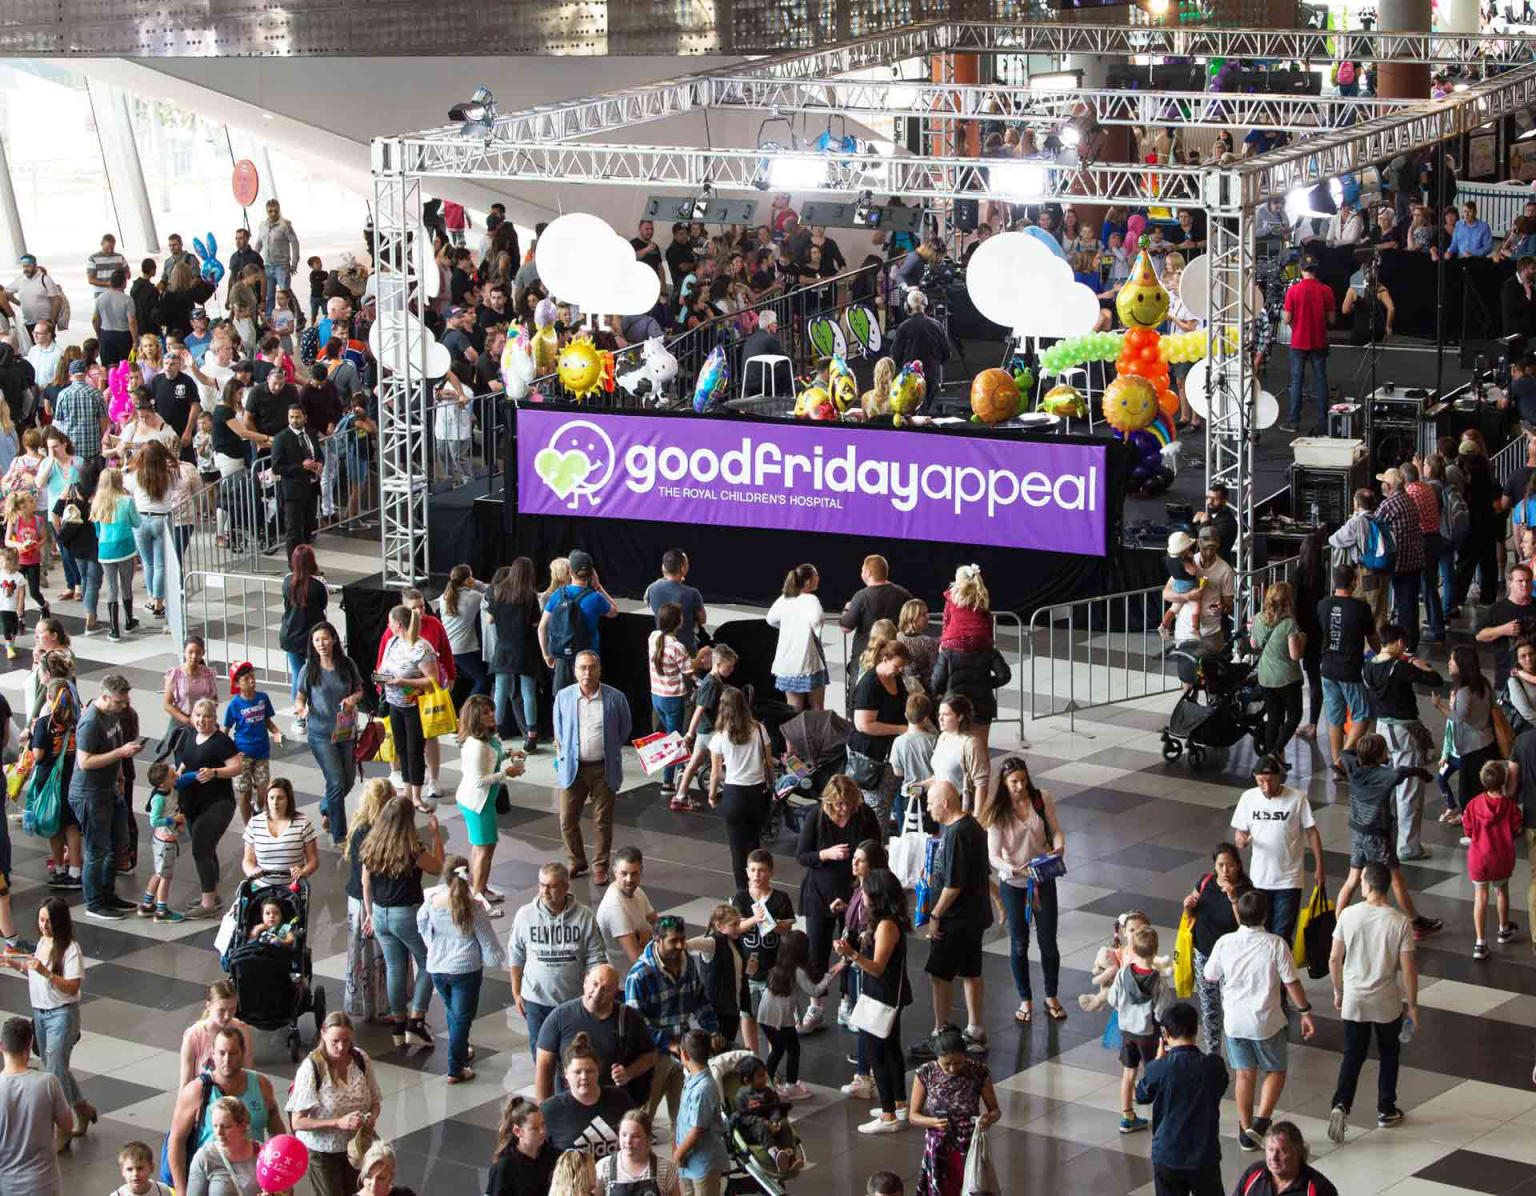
[751,1159]
[268,959]
[272,928]
[762,1116]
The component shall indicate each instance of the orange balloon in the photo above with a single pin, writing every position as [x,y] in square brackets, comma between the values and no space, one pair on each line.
[1168,402]
[1149,353]
[1133,370]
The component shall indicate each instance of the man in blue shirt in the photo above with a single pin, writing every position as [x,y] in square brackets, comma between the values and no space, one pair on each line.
[1184,1088]
[562,638]
[1473,237]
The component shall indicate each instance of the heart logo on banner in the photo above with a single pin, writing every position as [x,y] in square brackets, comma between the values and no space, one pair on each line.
[562,472]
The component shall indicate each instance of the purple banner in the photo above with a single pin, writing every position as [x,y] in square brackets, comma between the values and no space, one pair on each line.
[813,477]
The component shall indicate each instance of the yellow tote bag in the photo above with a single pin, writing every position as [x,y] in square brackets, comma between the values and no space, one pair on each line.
[386,752]
[437,717]
[1184,958]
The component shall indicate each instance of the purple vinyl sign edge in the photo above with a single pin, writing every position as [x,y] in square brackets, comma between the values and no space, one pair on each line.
[813,477]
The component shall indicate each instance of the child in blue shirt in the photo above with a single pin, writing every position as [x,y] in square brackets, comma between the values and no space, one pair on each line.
[166,822]
[699,1154]
[252,724]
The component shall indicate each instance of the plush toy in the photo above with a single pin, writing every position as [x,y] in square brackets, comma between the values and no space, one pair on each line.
[714,381]
[1109,959]
[546,341]
[212,269]
[584,369]
[908,391]
[657,368]
[994,397]
[841,386]
[120,381]
[517,371]
[1023,376]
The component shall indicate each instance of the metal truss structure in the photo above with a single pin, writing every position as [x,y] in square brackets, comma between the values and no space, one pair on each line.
[547,144]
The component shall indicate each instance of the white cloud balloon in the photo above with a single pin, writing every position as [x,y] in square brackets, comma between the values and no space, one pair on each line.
[1195,287]
[583,261]
[1015,281]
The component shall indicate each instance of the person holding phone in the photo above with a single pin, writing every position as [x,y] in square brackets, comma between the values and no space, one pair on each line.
[99,753]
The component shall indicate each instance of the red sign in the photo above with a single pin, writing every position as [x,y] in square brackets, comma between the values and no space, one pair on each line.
[246,183]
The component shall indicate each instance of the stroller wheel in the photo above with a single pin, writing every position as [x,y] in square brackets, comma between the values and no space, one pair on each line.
[1196,756]
[295,1046]
[1172,749]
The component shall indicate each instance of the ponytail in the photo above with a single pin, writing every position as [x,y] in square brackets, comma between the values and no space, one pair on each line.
[797,579]
[457,579]
[461,903]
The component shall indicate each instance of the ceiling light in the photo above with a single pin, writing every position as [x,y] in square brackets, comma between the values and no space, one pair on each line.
[1018,180]
[1056,81]
[796,174]
[478,115]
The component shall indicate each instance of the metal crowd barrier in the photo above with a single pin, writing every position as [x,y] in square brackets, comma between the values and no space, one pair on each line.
[239,617]
[1006,627]
[1096,652]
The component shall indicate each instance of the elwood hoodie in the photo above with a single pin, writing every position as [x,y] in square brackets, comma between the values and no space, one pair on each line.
[554,950]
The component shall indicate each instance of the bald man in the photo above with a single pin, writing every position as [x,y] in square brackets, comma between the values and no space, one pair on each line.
[961,913]
[618,1034]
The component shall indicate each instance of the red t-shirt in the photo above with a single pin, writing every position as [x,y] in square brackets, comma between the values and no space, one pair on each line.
[1491,821]
[1309,303]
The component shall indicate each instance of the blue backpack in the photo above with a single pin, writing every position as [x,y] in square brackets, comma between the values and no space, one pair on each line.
[1379,549]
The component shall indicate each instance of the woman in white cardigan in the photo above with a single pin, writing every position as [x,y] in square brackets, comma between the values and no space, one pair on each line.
[483,768]
[799,664]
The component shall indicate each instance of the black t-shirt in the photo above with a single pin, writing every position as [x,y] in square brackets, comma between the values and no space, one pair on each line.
[1215,916]
[961,863]
[79,537]
[623,1038]
[322,407]
[680,261]
[595,1130]
[889,707]
[269,411]
[761,280]
[214,752]
[1524,754]
[225,441]
[706,697]
[396,891]
[458,344]
[459,282]
[174,398]
[832,261]
[1505,611]
[515,1174]
[868,607]
[487,370]
[1346,622]
[758,940]
[647,250]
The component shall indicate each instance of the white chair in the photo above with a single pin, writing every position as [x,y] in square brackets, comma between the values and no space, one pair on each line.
[768,363]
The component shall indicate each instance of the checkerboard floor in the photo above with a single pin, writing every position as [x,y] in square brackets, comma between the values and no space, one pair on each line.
[1139,833]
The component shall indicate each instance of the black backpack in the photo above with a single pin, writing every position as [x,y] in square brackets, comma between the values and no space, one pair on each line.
[568,634]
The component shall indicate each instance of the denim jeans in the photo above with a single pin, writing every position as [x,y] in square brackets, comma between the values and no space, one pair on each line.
[508,714]
[1357,1041]
[1405,605]
[461,999]
[669,714]
[1284,909]
[57,1032]
[339,767]
[96,814]
[471,667]
[1434,608]
[1015,899]
[295,667]
[534,1014]
[90,576]
[277,280]
[71,568]
[1447,567]
[152,537]
[1319,361]
[395,928]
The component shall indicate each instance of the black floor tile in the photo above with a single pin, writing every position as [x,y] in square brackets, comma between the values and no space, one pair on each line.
[1154,858]
[108,1093]
[1481,1172]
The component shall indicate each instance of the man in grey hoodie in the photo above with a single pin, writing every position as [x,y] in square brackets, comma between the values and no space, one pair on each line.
[554,941]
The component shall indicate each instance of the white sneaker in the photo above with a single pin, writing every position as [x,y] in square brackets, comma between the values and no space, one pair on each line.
[429,790]
[901,1114]
[881,1126]
[396,780]
[811,1022]
[860,1088]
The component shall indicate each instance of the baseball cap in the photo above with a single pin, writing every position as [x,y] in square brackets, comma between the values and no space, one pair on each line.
[1208,533]
[27,259]
[236,671]
[244,366]
[456,311]
[199,313]
[581,562]
[78,366]
[1393,477]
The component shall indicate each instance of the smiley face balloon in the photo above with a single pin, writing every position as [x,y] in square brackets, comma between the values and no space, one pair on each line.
[1142,301]
[1130,404]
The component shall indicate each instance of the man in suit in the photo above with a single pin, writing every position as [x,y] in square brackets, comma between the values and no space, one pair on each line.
[1517,299]
[297,460]
[592,727]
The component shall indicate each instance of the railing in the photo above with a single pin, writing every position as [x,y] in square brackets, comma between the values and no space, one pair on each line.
[794,310]
[1500,204]
[239,616]
[1096,652]
[1509,460]
[1004,624]
[1249,587]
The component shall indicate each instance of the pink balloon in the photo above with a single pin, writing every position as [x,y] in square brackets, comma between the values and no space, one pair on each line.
[281,1163]
[1133,229]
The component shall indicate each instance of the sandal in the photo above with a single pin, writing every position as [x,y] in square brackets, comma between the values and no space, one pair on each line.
[1023,1016]
[1054,1011]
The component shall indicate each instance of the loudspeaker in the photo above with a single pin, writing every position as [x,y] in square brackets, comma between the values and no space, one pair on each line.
[967,215]
[1332,489]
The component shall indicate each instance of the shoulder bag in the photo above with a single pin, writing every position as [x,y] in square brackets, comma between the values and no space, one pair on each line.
[876,1017]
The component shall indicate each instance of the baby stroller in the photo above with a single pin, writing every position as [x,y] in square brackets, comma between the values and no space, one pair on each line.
[1232,707]
[815,750]
[274,982]
[748,1161]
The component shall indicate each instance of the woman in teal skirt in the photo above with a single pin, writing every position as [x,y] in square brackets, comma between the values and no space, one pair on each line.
[484,769]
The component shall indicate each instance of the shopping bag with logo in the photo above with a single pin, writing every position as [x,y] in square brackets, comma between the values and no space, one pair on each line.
[906,852]
[1314,934]
[16,774]
[923,890]
[660,750]
[1184,957]
[386,751]
[437,717]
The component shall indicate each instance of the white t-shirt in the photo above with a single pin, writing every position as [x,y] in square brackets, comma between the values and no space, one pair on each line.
[41,991]
[1251,965]
[743,762]
[1374,938]
[617,915]
[1278,826]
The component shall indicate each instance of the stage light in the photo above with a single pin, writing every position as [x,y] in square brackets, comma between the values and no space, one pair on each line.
[1018,180]
[1157,8]
[477,115]
[699,205]
[1309,201]
[1056,81]
[795,174]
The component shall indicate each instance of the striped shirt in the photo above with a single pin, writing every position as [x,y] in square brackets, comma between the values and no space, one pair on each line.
[667,681]
[277,856]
